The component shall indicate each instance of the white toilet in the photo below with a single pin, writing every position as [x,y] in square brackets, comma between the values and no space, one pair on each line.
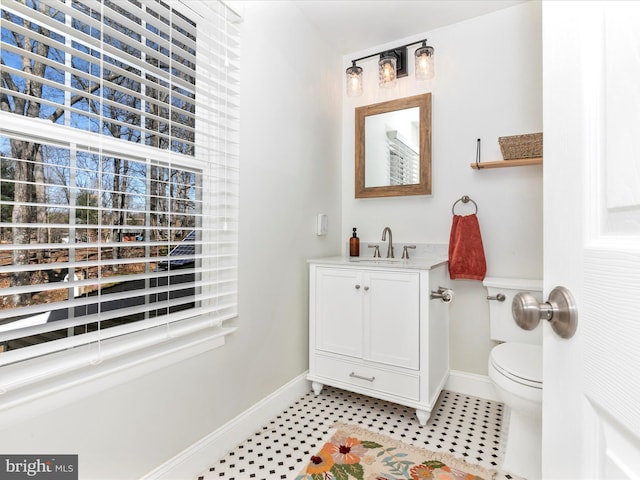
[515,368]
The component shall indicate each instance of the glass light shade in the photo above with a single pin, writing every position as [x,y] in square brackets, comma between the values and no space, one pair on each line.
[354,81]
[387,70]
[424,63]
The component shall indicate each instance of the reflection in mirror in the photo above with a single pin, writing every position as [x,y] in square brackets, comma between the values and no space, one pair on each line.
[392,145]
[393,148]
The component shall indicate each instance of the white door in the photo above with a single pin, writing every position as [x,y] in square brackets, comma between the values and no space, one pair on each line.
[591,78]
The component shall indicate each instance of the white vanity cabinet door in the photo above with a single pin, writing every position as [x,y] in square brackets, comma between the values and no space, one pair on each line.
[338,311]
[392,318]
[374,315]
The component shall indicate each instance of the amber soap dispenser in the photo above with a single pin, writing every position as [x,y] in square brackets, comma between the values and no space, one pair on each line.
[354,244]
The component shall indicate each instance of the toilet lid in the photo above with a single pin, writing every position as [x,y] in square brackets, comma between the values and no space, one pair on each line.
[519,362]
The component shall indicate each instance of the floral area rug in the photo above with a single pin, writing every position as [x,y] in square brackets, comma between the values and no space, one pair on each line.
[355,453]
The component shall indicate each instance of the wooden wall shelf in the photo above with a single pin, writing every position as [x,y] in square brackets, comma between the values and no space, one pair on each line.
[518,162]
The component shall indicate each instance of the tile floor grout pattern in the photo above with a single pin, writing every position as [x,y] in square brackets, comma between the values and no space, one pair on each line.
[465,426]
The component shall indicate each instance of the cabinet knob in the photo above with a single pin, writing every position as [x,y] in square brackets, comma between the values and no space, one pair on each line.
[366,289]
[357,287]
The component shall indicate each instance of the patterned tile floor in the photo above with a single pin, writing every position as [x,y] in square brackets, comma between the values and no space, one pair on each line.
[465,426]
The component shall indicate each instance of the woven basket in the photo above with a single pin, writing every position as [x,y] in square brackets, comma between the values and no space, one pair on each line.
[521,146]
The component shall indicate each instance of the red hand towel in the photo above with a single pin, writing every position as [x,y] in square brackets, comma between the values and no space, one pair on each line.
[466,253]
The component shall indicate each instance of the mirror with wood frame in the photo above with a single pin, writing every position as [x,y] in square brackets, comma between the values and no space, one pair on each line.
[393,148]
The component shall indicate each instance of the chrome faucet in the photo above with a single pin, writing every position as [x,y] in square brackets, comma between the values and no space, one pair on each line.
[384,238]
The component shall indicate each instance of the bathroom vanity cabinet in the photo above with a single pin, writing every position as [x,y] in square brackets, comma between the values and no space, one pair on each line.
[374,330]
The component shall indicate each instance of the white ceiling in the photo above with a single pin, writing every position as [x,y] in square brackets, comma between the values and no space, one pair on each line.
[354,25]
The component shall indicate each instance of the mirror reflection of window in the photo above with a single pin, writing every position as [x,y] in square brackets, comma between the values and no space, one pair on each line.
[392,147]
[403,157]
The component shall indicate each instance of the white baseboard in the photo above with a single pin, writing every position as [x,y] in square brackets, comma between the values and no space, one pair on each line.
[471,384]
[201,455]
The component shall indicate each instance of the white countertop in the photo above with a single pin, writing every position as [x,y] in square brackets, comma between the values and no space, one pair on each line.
[411,264]
[424,257]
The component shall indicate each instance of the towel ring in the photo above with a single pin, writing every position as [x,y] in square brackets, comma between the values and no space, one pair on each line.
[463,199]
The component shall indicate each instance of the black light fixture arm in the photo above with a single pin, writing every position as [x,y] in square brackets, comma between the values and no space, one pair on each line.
[401,57]
[401,47]
[394,57]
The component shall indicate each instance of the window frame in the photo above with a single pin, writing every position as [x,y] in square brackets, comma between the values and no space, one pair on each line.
[33,377]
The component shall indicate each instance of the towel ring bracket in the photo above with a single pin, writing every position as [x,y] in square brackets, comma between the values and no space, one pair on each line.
[463,199]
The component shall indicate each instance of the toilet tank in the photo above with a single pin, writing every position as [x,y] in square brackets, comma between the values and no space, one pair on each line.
[503,327]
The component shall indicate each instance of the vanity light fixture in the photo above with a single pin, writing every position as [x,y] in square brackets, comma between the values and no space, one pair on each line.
[387,69]
[424,62]
[354,80]
[392,65]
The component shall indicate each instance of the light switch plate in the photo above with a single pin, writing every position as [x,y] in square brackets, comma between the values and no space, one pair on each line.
[322,224]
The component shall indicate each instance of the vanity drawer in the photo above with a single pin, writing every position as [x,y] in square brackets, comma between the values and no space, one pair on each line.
[370,377]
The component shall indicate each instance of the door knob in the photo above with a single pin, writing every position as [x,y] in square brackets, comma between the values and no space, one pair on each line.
[560,310]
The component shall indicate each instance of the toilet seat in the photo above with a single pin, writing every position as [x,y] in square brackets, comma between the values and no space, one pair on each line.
[520,363]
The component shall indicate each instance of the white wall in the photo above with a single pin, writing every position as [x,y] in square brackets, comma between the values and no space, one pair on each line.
[290,171]
[488,83]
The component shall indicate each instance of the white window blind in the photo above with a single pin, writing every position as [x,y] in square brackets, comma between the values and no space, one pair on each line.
[119,157]
[403,160]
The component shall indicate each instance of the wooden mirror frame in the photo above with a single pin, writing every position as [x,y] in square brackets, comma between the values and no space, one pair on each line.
[422,101]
